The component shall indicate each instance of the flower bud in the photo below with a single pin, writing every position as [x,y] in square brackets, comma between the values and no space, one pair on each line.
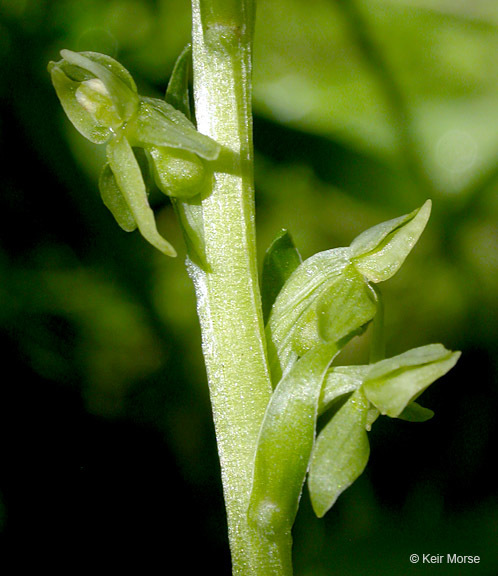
[178,173]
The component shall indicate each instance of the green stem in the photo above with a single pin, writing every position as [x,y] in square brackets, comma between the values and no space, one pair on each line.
[378,343]
[227,289]
[401,115]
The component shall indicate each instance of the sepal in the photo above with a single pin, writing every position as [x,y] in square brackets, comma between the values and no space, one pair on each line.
[416,413]
[118,82]
[379,252]
[96,92]
[85,122]
[340,381]
[159,124]
[340,453]
[392,384]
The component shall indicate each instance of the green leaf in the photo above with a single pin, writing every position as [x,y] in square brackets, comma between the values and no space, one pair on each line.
[281,259]
[392,384]
[159,124]
[340,454]
[285,443]
[379,252]
[115,201]
[129,179]
[177,93]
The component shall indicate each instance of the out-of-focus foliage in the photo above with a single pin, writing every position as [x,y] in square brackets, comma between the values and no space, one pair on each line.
[363,110]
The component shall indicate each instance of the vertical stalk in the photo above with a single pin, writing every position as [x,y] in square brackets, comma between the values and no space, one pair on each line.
[400,113]
[227,290]
[378,343]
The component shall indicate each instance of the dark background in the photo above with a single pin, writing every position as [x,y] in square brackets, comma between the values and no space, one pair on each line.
[362,111]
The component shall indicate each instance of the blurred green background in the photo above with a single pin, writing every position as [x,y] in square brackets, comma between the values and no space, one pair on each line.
[363,109]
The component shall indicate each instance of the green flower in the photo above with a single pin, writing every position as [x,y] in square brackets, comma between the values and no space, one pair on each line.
[329,297]
[312,309]
[100,98]
[98,95]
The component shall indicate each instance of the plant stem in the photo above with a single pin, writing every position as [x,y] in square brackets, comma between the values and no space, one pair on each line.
[401,115]
[378,345]
[227,290]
